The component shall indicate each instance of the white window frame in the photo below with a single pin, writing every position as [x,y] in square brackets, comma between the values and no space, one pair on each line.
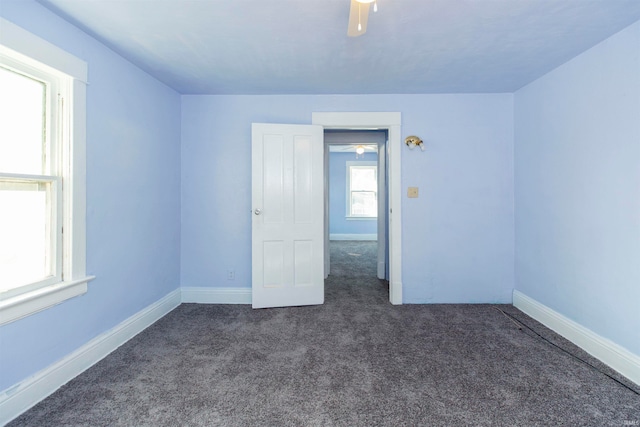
[367,164]
[50,175]
[20,46]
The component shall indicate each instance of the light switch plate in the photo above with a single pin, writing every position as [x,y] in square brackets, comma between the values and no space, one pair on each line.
[412,192]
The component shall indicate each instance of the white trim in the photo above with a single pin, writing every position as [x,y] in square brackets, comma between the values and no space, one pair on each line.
[202,295]
[381,269]
[337,236]
[19,44]
[325,172]
[614,355]
[28,303]
[390,121]
[75,193]
[381,226]
[24,395]
[29,48]
[356,120]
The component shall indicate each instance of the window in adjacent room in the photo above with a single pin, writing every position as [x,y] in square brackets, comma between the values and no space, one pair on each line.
[362,190]
[42,200]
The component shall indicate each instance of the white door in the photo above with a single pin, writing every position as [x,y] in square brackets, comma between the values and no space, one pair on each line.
[288,215]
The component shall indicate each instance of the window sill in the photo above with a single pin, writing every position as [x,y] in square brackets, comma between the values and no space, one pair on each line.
[361,218]
[23,305]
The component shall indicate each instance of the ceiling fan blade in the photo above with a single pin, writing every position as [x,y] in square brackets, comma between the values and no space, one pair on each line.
[358,14]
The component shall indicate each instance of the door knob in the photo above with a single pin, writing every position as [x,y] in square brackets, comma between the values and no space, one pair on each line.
[257,212]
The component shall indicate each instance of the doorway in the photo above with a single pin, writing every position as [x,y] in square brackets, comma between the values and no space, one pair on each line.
[356,193]
[389,122]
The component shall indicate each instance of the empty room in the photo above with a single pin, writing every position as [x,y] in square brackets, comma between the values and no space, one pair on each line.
[336,213]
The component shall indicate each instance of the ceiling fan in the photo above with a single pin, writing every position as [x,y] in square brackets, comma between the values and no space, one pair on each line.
[359,149]
[359,15]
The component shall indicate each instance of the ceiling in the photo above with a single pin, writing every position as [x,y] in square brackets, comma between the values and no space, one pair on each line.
[301,46]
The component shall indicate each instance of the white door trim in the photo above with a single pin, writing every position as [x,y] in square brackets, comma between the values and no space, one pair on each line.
[325,172]
[390,121]
[382,209]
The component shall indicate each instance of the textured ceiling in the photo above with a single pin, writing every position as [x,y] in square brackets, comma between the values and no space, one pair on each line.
[301,46]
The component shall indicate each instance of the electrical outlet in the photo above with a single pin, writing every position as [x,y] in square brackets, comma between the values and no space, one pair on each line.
[231,274]
[412,192]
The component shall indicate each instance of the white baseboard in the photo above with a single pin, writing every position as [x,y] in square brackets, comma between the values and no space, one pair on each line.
[617,357]
[22,396]
[382,270]
[395,293]
[202,295]
[353,236]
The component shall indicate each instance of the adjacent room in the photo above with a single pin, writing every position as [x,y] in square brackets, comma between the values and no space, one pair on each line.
[347,212]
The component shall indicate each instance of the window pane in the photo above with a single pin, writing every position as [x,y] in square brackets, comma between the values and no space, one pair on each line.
[22,125]
[363,178]
[363,203]
[23,233]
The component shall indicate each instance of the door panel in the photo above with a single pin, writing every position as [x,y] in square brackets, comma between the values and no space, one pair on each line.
[273,176]
[288,215]
[303,259]
[303,179]
[273,259]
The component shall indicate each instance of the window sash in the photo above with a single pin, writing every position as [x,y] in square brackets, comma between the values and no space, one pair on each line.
[354,182]
[354,195]
[53,229]
[51,177]
[353,188]
[52,115]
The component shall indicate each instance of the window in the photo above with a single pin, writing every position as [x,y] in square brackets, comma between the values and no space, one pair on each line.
[30,190]
[362,190]
[42,169]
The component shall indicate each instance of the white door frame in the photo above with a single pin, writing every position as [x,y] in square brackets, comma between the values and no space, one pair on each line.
[390,121]
[342,138]
[383,201]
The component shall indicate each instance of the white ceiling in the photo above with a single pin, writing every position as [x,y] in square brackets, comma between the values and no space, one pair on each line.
[301,46]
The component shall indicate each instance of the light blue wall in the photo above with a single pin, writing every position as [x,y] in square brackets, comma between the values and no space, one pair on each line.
[338,223]
[457,236]
[133,204]
[577,186]
[577,192]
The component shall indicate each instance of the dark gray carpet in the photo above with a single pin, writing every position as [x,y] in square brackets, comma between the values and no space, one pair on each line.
[355,361]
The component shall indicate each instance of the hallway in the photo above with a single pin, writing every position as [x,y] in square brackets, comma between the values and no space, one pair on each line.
[353,273]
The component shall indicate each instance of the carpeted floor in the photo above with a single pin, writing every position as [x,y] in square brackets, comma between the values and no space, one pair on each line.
[354,361]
